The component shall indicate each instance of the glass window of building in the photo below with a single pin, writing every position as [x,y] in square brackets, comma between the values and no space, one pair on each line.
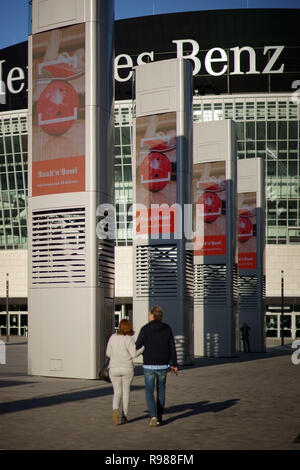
[266,126]
[13,180]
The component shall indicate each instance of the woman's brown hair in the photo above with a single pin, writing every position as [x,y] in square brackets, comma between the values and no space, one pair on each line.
[125,328]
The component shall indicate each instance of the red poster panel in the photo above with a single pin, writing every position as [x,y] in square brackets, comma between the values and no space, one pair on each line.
[156,173]
[58,111]
[209,196]
[246,230]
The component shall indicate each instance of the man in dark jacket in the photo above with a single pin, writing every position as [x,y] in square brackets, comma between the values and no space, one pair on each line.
[159,354]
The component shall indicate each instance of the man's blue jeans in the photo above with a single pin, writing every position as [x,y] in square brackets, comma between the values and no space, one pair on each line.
[158,378]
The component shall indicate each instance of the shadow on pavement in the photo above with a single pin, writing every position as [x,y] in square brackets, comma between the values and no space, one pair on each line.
[202,361]
[189,409]
[40,402]
[275,351]
[13,383]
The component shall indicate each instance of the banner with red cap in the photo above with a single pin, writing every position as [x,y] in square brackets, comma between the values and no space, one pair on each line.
[156,173]
[246,230]
[58,111]
[209,208]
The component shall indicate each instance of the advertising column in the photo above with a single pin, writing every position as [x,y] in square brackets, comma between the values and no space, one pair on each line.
[214,196]
[58,106]
[70,175]
[250,249]
[162,172]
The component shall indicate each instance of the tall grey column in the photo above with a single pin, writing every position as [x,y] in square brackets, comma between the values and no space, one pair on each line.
[162,175]
[214,187]
[71,269]
[251,245]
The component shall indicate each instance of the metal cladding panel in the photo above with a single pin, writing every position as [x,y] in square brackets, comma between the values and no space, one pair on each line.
[251,245]
[251,307]
[71,268]
[167,94]
[251,216]
[214,190]
[60,333]
[248,175]
[162,172]
[49,14]
[215,318]
[163,140]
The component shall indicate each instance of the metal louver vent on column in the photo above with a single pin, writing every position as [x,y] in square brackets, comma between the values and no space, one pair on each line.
[248,291]
[264,286]
[156,271]
[235,290]
[210,285]
[106,263]
[58,246]
[189,255]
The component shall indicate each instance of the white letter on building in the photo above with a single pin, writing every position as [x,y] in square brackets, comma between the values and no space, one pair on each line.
[128,64]
[274,57]
[145,54]
[237,63]
[192,55]
[209,60]
[11,79]
[2,85]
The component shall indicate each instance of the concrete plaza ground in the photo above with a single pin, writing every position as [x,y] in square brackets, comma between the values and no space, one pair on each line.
[247,402]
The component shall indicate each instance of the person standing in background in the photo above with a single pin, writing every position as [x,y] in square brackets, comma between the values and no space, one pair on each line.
[245,337]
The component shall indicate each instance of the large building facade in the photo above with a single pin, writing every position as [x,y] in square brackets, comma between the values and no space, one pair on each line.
[246,68]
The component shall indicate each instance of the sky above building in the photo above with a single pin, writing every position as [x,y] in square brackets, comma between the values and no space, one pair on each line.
[14,13]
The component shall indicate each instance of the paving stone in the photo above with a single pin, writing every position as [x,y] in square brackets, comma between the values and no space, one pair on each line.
[247,402]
